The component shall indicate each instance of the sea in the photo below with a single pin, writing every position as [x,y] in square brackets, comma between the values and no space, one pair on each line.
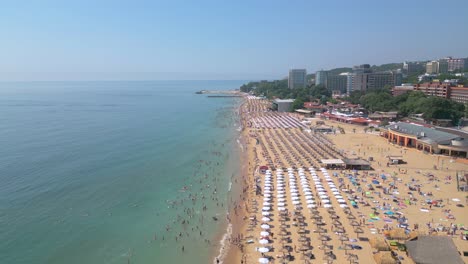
[116,172]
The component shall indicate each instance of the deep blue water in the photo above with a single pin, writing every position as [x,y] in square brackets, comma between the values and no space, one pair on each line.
[87,169]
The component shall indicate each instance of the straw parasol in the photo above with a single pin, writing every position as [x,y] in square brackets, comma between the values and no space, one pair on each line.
[321,230]
[347,247]
[379,244]
[358,231]
[304,248]
[339,229]
[324,238]
[343,238]
[398,234]
[351,216]
[336,222]
[352,258]
[384,257]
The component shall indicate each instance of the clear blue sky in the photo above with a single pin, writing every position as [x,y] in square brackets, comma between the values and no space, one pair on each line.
[87,40]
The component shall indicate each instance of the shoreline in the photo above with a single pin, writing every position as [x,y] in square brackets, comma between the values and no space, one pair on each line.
[223,250]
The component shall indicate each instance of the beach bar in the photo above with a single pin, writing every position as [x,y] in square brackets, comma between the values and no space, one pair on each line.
[433,250]
[357,164]
[427,139]
[333,163]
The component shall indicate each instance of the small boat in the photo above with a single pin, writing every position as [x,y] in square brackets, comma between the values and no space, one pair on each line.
[215,218]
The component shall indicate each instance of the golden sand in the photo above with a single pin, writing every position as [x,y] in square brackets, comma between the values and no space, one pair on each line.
[296,148]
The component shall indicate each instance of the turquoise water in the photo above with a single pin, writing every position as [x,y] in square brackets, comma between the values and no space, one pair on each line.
[92,172]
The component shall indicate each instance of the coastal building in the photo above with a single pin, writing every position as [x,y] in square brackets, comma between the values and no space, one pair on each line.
[380,80]
[438,89]
[297,78]
[282,105]
[459,94]
[363,79]
[457,64]
[443,66]
[427,138]
[402,89]
[337,83]
[349,83]
[444,89]
[432,67]
[411,68]
[383,116]
[321,78]
[315,107]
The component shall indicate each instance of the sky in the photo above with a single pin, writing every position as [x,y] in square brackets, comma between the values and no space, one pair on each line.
[244,40]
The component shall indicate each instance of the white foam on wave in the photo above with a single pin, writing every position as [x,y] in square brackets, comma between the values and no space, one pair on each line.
[224,245]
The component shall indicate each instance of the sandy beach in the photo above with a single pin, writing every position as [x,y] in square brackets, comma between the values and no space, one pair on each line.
[296,211]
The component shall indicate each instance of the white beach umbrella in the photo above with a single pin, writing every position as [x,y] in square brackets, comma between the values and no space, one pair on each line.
[263,241]
[343,205]
[311,206]
[263,260]
[296,202]
[327,205]
[266,219]
[267,195]
[266,199]
[310,201]
[281,208]
[281,199]
[265,213]
[264,233]
[307,192]
[325,201]
[308,197]
[268,184]
[266,204]
[281,204]
[338,196]
[323,196]
[280,188]
[322,193]
[265,226]
[341,200]
[336,193]
[266,208]
[263,250]
[281,195]
[267,191]
[280,191]
[294,198]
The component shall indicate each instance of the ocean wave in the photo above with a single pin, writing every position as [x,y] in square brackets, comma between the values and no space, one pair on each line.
[224,245]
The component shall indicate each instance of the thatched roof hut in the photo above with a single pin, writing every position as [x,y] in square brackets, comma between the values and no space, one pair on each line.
[379,244]
[433,249]
[398,234]
[384,257]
